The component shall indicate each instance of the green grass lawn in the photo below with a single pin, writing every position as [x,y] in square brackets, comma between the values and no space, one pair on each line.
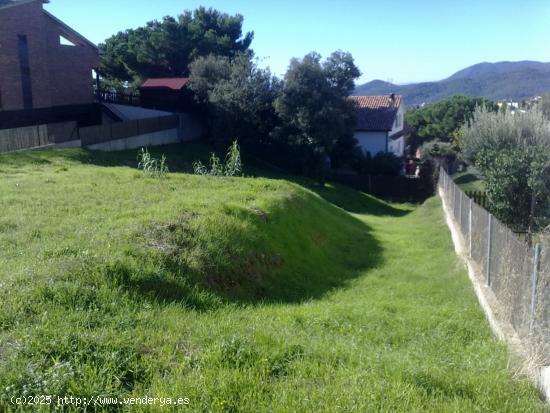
[470,180]
[241,294]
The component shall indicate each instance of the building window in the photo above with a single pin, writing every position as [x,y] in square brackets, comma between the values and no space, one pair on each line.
[65,42]
[25,69]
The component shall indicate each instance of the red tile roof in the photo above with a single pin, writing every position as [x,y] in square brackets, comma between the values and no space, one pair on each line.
[376,112]
[173,83]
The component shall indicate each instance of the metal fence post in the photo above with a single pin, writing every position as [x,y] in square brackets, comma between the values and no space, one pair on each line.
[470,228]
[489,231]
[460,210]
[454,200]
[534,287]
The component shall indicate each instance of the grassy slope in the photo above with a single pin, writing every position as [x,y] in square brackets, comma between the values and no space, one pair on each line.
[241,294]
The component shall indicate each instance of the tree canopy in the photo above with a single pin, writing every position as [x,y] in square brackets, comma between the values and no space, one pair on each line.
[166,48]
[305,118]
[512,151]
[237,97]
[442,120]
[314,107]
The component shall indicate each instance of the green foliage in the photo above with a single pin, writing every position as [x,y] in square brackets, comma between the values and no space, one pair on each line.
[492,132]
[512,151]
[233,163]
[438,149]
[235,293]
[237,97]
[314,110]
[166,48]
[151,166]
[232,167]
[506,185]
[307,116]
[441,120]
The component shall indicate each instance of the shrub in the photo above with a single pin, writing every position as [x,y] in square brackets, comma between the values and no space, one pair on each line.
[151,166]
[435,153]
[436,149]
[512,151]
[231,167]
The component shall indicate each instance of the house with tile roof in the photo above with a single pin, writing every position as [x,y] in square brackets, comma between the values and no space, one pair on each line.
[380,124]
[45,66]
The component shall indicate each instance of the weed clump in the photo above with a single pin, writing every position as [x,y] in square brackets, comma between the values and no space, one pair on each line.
[232,166]
[151,166]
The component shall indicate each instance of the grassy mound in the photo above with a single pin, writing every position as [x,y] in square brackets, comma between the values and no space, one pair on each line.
[242,294]
[86,247]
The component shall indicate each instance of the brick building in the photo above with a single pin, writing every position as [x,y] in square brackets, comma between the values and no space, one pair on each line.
[45,67]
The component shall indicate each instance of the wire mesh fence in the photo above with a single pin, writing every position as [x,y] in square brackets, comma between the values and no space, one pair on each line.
[517,273]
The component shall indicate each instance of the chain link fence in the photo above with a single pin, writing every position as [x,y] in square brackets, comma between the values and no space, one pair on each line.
[517,273]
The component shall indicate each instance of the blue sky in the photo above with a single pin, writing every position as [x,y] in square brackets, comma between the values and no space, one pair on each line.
[400,40]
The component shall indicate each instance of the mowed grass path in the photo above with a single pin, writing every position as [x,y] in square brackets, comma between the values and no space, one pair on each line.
[241,294]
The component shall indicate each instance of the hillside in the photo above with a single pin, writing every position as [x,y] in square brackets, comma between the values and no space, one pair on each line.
[503,80]
[240,294]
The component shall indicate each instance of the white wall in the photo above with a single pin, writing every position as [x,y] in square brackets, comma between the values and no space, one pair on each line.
[399,122]
[373,141]
[397,146]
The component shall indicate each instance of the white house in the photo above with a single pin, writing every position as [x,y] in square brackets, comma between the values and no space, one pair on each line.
[380,124]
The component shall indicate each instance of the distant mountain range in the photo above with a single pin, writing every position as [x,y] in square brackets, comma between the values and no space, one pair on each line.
[496,81]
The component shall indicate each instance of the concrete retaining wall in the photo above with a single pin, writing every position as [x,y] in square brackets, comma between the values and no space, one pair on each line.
[149,139]
[107,137]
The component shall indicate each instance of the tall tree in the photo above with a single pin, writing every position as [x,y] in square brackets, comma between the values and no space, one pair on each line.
[237,96]
[166,48]
[314,108]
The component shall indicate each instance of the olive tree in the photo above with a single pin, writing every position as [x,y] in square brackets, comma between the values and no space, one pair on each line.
[512,151]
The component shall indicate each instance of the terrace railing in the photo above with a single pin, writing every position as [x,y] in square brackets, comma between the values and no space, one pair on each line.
[119,98]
